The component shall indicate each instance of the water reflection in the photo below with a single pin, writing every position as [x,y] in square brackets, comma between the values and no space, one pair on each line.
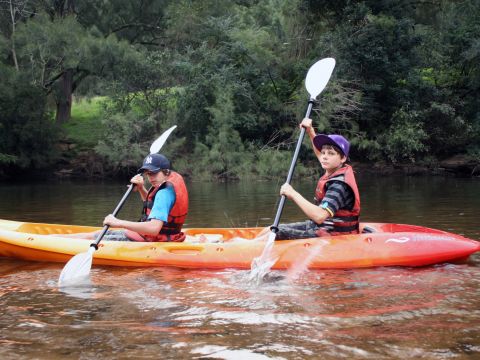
[381,313]
[446,203]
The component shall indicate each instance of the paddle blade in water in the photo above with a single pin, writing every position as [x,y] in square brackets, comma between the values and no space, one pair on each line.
[77,269]
[261,265]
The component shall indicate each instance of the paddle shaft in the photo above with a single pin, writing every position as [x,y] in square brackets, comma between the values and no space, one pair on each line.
[274,227]
[115,212]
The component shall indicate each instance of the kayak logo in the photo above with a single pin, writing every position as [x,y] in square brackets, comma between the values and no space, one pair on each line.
[148,160]
[401,240]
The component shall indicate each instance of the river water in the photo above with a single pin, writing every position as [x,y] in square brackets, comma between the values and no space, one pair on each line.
[381,313]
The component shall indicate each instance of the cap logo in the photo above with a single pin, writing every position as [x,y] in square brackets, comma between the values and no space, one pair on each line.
[148,160]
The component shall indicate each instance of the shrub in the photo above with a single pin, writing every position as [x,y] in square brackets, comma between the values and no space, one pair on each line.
[405,138]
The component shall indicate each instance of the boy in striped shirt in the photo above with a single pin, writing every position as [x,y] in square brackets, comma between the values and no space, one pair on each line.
[337,201]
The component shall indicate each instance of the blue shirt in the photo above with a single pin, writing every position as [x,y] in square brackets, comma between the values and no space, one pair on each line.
[163,203]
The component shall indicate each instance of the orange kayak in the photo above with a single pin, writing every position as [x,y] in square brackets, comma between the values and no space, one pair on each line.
[379,244]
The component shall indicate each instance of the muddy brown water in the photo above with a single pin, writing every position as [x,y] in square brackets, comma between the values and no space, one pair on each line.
[380,313]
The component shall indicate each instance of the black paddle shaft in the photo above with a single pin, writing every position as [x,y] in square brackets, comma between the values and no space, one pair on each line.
[115,212]
[274,227]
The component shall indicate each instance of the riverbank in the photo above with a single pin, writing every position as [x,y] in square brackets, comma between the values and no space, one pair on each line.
[87,164]
[458,165]
[77,158]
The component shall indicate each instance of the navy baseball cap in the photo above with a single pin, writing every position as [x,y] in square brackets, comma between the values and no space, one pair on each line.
[336,140]
[154,163]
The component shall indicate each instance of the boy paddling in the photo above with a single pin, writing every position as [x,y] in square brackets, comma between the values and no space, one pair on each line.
[165,206]
[336,208]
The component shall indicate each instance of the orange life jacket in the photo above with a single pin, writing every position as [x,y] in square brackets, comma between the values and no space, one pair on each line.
[172,228]
[344,221]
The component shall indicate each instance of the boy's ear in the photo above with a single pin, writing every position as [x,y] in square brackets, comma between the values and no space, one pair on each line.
[344,159]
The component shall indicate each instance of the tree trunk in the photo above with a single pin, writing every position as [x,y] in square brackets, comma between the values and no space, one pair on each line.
[64,97]
[14,52]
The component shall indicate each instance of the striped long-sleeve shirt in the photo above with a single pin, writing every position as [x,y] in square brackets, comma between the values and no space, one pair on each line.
[338,196]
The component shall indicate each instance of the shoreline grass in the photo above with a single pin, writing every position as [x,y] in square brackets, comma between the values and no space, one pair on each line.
[85,127]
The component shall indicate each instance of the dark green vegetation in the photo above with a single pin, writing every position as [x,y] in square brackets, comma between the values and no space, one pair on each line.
[230,75]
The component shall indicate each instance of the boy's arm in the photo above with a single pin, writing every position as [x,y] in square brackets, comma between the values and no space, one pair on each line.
[142,191]
[307,124]
[164,201]
[336,197]
[151,227]
[313,212]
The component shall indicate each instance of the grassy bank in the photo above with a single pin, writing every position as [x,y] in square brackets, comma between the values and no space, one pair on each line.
[85,127]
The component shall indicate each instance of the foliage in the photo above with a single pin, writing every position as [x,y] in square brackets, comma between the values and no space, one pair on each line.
[405,138]
[275,163]
[123,144]
[27,133]
[223,153]
[231,75]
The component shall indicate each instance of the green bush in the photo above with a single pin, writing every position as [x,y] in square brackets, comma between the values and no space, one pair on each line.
[405,138]
[124,143]
[28,134]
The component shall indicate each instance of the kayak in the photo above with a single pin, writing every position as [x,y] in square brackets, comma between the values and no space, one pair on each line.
[378,244]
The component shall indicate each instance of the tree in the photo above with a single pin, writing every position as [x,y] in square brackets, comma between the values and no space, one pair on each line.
[27,135]
[60,44]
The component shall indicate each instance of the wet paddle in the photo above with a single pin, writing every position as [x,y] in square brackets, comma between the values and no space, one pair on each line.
[78,268]
[317,78]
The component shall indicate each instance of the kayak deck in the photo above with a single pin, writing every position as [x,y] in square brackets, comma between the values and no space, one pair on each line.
[379,244]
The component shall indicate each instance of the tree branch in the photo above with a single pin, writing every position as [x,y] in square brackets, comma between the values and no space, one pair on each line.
[134,25]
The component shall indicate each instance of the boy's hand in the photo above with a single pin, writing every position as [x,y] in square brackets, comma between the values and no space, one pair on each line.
[306,123]
[138,181]
[110,220]
[287,190]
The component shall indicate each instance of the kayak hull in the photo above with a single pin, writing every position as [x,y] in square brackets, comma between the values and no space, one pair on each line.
[380,245]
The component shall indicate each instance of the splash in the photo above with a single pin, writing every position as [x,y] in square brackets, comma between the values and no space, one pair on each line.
[261,265]
[301,266]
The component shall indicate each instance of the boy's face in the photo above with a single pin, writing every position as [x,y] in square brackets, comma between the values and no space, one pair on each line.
[331,159]
[156,178]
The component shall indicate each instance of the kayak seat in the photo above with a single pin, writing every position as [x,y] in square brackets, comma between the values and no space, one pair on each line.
[368,230]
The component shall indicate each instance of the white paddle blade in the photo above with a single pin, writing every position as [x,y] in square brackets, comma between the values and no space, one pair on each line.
[77,269]
[157,144]
[318,76]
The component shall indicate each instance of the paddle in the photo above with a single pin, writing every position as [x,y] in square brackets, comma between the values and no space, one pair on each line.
[79,266]
[317,78]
